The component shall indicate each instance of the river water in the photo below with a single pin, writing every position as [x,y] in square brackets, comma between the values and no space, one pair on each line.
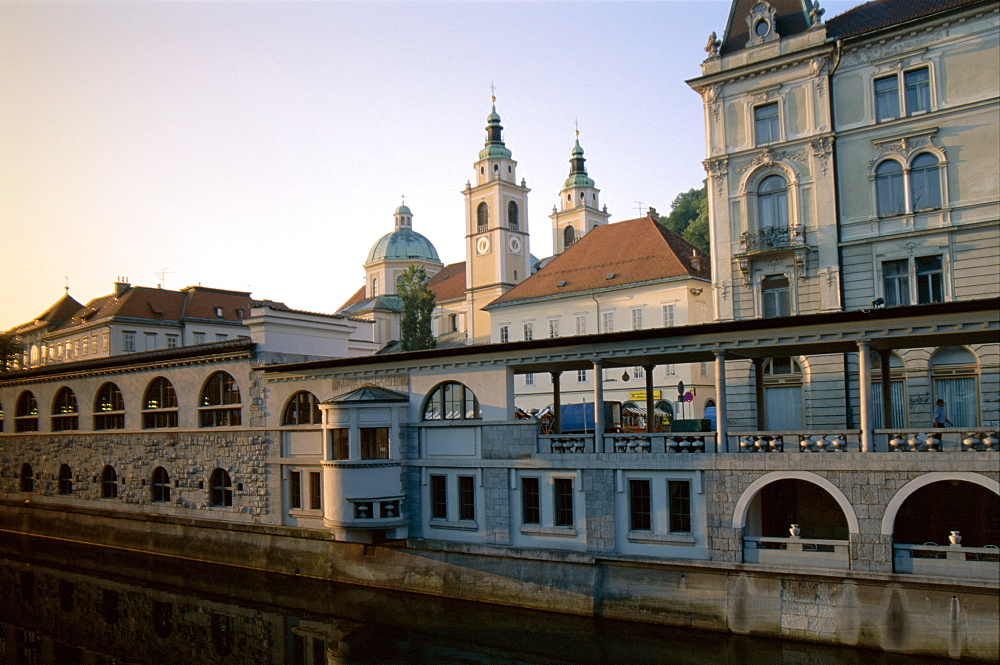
[64,604]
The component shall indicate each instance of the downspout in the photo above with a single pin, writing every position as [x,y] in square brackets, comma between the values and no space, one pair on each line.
[837,49]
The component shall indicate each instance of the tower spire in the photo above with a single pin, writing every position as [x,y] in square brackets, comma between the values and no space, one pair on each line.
[494,148]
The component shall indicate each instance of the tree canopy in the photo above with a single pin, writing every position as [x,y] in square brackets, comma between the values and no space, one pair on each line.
[689,217]
[10,349]
[418,304]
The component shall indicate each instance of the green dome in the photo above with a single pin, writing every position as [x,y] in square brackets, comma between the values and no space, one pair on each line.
[403,244]
[403,210]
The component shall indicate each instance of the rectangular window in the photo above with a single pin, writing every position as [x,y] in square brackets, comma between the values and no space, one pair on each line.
[76,346]
[315,491]
[563,490]
[640,506]
[886,98]
[171,341]
[668,315]
[220,337]
[104,342]
[531,506]
[199,338]
[636,319]
[607,322]
[680,506]
[553,328]
[93,343]
[896,282]
[128,341]
[529,331]
[439,497]
[504,334]
[775,298]
[580,320]
[917,86]
[638,373]
[374,443]
[86,346]
[581,375]
[466,497]
[339,448]
[930,279]
[149,340]
[670,369]
[529,379]
[295,490]
[766,122]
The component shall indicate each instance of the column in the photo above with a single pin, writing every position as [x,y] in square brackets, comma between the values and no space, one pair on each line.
[883,356]
[598,406]
[556,403]
[721,442]
[650,416]
[865,394]
[758,382]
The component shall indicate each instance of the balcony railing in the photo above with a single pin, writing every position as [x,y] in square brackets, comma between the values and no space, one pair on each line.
[795,441]
[806,552]
[772,237]
[947,439]
[632,443]
[981,563]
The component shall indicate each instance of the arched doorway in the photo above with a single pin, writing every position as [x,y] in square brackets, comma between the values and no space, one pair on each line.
[932,512]
[781,503]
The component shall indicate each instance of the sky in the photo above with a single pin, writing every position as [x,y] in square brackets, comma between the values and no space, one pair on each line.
[264,146]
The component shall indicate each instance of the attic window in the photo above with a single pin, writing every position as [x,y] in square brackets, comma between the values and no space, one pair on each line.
[239,314]
[561,284]
[611,275]
[218,312]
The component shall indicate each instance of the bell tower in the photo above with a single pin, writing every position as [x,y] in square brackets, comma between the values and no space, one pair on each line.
[579,208]
[496,230]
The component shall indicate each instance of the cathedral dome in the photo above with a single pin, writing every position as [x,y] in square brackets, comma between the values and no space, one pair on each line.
[402,244]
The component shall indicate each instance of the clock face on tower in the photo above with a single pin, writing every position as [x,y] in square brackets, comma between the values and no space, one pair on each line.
[514,244]
[483,245]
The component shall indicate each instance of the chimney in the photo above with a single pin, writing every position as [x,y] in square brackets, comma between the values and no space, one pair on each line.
[653,214]
[121,286]
[695,261]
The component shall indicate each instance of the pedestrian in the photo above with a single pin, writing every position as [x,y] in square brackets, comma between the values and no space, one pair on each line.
[939,417]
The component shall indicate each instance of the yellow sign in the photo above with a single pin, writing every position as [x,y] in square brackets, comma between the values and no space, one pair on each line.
[641,395]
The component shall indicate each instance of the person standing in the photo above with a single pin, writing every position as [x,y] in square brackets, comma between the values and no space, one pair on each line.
[939,416]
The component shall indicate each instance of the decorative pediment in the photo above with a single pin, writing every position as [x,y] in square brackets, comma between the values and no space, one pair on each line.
[903,147]
[762,24]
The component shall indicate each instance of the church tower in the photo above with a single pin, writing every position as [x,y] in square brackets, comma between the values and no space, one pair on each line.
[496,230]
[579,206]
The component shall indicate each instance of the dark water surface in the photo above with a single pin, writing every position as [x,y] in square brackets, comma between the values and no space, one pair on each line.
[65,604]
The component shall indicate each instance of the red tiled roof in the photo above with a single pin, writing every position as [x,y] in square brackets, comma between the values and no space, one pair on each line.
[634,251]
[62,310]
[880,14]
[201,303]
[449,282]
[791,17]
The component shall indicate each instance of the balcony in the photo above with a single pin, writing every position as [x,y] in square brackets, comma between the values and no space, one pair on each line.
[628,443]
[771,238]
[804,552]
[979,563]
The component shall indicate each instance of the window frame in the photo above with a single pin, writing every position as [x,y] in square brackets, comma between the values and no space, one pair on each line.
[771,122]
[109,407]
[302,408]
[159,485]
[563,514]
[438,484]
[164,412]
[890,189]
[441,397]
[904,94]
[220,488]
[109,482]
[374,443]
[466,498]
[640,504]
[26,412]
[220,405]
[531,500]
[65,411]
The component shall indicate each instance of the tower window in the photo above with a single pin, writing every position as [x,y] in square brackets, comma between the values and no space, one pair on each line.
[513,221]
[482,217]
[569,236]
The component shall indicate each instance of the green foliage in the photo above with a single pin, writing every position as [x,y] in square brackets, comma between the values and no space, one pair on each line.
[418,305]
[689,217]
[10,349]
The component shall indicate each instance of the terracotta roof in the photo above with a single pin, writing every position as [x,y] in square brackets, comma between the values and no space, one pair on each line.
[792,17]
[880,14]
[63,309]
[202,301]
[449,283]
[634,251]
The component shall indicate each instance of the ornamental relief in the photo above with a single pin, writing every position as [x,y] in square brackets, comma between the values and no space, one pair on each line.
[903,147]
[717,170]
[886,50]
[769,156]
[822,150]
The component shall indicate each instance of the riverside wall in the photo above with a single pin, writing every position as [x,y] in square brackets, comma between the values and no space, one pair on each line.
[898,613]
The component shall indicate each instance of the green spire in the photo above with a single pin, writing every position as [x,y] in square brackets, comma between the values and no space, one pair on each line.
[577,172]
[494,148]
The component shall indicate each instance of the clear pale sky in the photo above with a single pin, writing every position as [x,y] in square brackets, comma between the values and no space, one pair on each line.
[265,145]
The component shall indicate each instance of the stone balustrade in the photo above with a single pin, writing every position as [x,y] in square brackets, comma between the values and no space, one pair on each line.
[566,443]
[792,441]
[981,563]
[950,439]
[806,552]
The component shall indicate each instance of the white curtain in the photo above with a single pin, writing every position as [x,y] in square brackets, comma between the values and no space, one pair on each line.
[898,405]
[960,400]
[783,407]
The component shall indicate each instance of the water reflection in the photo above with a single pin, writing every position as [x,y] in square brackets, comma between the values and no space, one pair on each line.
[72,605]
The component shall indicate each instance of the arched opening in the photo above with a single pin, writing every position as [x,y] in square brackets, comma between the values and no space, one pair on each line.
[569,236]
[513,220]
[452,401]
[160,485]
[925,182]
[26,413]
[302,409]
[482,217]
[219,404]
[65,414]
[27,479]
[109,483]
[159,405]
[64,480]
[109,408]
[889,196]
[933,511]
[220,488]
[772,202]
[782,503]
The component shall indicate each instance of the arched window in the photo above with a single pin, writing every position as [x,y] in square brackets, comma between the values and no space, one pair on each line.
[954,371]
[26,413]
[782,394]
[482,217]
[772,202]
[374,287]
[302,409]
[160,492]
[889,189]
[65,415]
[64,483]
[925,182]
[27,478]
[569,236]
[159,405]
[452,401]
[109,408]
[513,222]
[220,488]
[109,483]
[219,405]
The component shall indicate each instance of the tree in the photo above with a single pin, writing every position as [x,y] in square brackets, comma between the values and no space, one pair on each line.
[10,350]
[418,305]
[689,217]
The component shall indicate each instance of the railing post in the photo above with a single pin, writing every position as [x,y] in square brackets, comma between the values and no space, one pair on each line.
[865,394]
[556,403]
[598,406]
[650,422]
[721,442]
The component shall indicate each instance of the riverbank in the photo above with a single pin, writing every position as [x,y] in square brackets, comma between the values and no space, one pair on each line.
[902,614]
